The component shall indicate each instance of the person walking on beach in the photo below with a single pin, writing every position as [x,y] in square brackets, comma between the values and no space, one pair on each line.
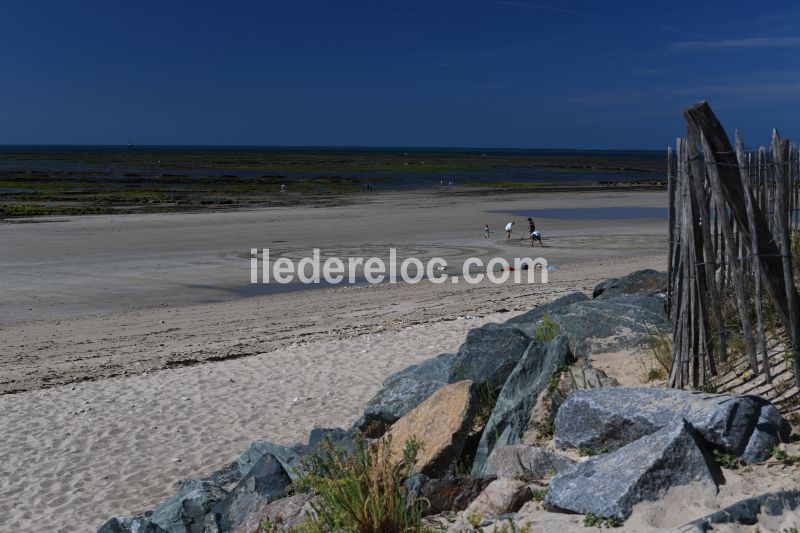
[509,227]
[486,231]
[531,229]
[536,236]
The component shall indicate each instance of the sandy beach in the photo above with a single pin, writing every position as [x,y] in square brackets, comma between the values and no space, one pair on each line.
[134,353]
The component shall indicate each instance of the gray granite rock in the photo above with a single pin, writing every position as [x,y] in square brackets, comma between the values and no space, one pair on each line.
[489,354]
[526,322]
[610,485]
[645,281]
[434,369]
[265,482]
[609,418]
[520,460]
[573,380]
[131,524]
[336,437]
[186,511]
[226,477]
[509,419]
[749,511]
[613,324]
[289,457]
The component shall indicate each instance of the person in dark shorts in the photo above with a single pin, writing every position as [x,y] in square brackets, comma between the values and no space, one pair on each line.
[531,229]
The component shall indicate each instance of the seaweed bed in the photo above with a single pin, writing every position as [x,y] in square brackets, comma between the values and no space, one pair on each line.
[38,181]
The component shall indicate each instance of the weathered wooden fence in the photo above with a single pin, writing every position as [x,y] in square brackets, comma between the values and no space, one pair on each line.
[732,214]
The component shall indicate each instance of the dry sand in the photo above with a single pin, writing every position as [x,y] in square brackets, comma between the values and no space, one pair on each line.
[112,405]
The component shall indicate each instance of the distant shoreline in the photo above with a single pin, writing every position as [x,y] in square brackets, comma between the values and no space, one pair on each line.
[313,149]
[87,181]
[11,212]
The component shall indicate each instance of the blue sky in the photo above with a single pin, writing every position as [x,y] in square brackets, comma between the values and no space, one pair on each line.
[492,73]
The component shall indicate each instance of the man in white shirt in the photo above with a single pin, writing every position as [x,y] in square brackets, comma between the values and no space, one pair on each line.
[509,227]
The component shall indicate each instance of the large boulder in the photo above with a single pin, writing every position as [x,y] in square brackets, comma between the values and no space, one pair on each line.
[489,354]
[265,482]
[131,524]
[445,494]
[500,497]
[646,281]
[512,411]
[289,457]
[528,321]
[610,485]
[771,506]
[336,437]
[186,511]
[434,369]
[573,380]
[608,325]
[286,514]
[609,418]
[226,477]
[394,401]
[519,460]
[441,424]
[561,387]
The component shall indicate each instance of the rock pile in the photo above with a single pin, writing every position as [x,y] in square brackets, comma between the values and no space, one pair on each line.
[472,410]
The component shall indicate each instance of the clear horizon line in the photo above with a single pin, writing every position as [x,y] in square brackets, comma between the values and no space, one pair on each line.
[321,146]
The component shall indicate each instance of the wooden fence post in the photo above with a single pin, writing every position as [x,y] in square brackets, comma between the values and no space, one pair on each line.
[782,151]
[751,225]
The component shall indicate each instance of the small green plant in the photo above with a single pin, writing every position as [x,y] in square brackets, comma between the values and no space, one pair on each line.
[545,429]
[539,494]
[511,527]
[660,345]
[655,374]
[726,460]
[574,384]
[592,520]
[709,387]
[486,400]
[460,467]
[585,451]
[266,526]
[547,329]
[361,491]
[736,344]
[474,519]
[779,454]
[787,360]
